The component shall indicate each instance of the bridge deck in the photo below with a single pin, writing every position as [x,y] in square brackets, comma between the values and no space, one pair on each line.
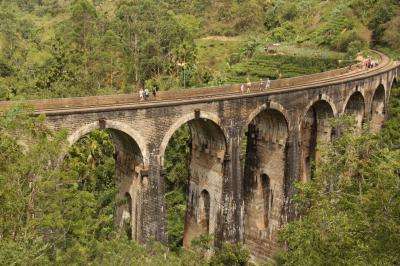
[175,97]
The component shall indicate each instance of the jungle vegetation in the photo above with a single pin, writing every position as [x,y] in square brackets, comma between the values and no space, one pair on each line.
[64,48]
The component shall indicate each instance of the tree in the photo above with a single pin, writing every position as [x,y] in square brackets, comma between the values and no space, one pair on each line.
[248,14]
[349,214]
[231,254]
[177,156]
[83,18]
[8,28]
[391,34]
[381,13]
[62,213]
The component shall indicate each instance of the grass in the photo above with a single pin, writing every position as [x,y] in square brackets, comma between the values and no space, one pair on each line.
[308,51]
[276,66]
[214,54]
[291,60]
[394,54]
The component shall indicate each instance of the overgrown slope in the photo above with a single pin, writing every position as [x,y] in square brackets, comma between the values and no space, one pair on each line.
[54,48]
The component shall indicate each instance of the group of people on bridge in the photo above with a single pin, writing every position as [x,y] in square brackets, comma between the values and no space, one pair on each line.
[144,94]
[263,85]
[368,63]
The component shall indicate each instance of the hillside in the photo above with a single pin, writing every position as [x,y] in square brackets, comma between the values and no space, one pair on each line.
[60,48]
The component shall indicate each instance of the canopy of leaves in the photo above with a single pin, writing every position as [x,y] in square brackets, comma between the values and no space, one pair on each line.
[62,213]
[350,213]
[52,48]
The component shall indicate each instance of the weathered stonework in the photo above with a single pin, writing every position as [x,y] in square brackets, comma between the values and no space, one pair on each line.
[235,197]
[206,179]
[264,176]
[315,130]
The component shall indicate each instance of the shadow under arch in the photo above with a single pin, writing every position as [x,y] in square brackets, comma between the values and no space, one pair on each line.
[355,107]
[324,98]
[273,106]
[185,119]
[206,171]
[315,129]
[131,157]
[377,108]
[264,172]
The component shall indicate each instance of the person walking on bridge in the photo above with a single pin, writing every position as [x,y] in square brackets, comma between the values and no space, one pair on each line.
[261,85]
[267,84]
[154,90]
[248,85]
[141,93]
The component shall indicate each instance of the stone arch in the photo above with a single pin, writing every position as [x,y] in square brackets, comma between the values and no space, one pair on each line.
[110,124]
[315,129]
[131,158]
[208,148]
[264,177]
[377,110]
[322,97]
[271,105]
[355,106]
[183,120]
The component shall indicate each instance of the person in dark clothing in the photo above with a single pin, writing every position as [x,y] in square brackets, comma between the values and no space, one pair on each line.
[154,90]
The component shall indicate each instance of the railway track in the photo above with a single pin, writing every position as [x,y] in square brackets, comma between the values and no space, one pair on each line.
[87,104]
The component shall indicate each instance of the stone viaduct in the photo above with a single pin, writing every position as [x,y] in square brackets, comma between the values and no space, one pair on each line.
[234,195]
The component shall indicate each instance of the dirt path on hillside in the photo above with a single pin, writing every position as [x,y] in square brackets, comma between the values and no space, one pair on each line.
[222,38]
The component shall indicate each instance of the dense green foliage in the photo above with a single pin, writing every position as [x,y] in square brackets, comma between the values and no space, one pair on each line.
[85,50]
[55,213]
[279,66]
[62,214]
[177,166]
[50,213]
[350,212]
[391,131]
[231,254]
[81,47]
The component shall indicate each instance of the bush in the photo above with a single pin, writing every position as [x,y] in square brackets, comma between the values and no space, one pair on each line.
[279,34]
[223,30]
[231,254]
[392,34]
[234,58]
[271,19]
[354,48]
[5,70]
[248,16]
[286,32]
[289,11]
[342,41]
[249,47]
